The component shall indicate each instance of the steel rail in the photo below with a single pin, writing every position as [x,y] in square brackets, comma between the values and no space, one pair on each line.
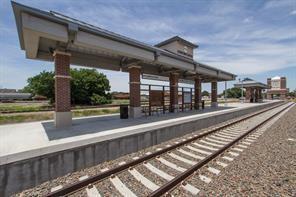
[80,184]
[181,177]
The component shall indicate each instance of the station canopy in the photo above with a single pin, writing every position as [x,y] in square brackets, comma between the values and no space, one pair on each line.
[250,83]
[41,33]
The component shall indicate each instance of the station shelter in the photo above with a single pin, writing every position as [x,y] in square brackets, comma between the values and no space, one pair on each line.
[253,90]
[52,36]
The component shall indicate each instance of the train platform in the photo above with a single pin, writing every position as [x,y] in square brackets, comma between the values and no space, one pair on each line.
[26,140]
[37,152]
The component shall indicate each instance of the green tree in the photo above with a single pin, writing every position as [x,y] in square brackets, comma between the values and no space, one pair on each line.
[88,83]
[292,93]
[205,93]
[233,92]
[41,84]
[88,86]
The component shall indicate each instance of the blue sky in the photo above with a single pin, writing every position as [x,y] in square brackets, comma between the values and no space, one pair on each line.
[251,38]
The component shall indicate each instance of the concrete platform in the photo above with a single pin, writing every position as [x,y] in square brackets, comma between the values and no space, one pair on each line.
[31,153]
[26,140]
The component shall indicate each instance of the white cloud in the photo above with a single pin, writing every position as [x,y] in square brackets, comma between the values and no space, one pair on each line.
[230,35]
[222,8]
[123,21]
[279,4]
[293,12]
[252,58]
[248,20]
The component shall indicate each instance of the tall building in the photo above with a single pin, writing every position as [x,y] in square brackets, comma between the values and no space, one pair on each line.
[277,88]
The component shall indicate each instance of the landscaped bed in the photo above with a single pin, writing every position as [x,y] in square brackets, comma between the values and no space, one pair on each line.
[37,111]
[38,116]
[19,107]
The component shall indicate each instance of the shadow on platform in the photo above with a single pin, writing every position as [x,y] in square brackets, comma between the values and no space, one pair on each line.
[83,126]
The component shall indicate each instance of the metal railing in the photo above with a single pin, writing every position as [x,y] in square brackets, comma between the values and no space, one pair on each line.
[156,99]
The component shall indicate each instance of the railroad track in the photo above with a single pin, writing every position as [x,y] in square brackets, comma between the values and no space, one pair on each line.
[186,166]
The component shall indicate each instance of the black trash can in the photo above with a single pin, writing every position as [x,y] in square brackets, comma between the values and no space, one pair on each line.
[123,111]
[202,104]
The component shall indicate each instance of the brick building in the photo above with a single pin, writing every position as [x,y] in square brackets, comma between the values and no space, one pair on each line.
[277,88]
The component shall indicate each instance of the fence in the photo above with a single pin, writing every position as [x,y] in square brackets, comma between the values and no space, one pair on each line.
[156,99]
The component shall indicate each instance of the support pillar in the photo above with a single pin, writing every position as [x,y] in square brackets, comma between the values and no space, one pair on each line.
[256,98]
[214,102]
[174,78]
[248,95]
[253,92]
[134,90]
[282,96]
[197,92]
[62,115]
[260,95]
[225,94]
[251,100]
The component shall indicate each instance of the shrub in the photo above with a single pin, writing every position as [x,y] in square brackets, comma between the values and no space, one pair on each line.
[99,100]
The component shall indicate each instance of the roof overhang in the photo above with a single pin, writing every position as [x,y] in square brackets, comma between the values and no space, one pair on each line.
[40,33]
[251,85]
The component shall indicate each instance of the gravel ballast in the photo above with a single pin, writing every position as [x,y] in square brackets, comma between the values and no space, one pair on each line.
[266,168]
[236,183]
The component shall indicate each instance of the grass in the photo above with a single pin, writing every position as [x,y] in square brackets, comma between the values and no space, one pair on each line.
[35,107]
[29,117]
[38,116]
[6,119]
[23,107]
[94,112]
[120,101]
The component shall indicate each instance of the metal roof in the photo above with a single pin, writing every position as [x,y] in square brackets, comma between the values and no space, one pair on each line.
[247,82]
[65,20]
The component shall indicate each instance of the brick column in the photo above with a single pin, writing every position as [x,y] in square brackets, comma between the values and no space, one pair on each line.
[269,83]
[134,90]
[283,96]
[269,96]
[248,94]
[214,102]
[283,83]
[260,95]
[256,98]
[174,78]
[62,115]
[197,92]
[252,95]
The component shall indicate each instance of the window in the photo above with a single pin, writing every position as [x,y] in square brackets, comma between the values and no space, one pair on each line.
[185,49]
[275,84]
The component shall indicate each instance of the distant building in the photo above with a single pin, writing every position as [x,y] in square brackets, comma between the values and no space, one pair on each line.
[5,90]
[120,95]
[13,94]
[277,88]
